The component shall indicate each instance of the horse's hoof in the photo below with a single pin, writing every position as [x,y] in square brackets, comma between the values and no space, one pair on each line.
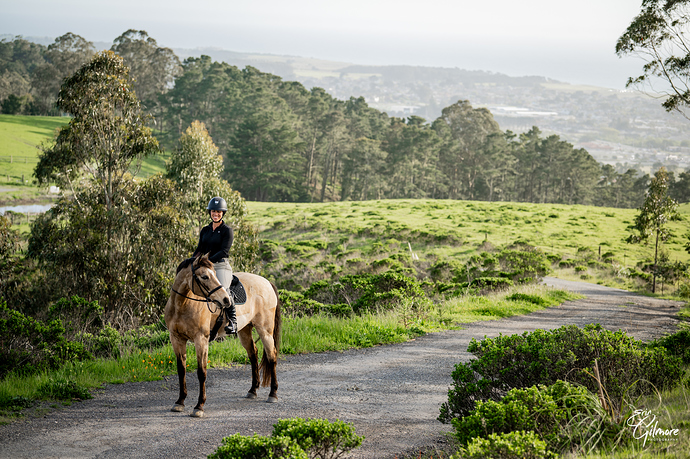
[197,413]
[272,400]
[251,396]
[178,408]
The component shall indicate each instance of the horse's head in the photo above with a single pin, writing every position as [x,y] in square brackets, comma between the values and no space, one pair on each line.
[202,280]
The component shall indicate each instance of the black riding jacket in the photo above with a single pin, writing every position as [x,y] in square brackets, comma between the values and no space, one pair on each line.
[215,243]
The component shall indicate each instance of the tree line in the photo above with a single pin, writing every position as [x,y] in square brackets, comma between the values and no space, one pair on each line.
[283,142]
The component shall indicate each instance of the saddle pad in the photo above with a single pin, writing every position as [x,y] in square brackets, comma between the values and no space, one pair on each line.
[237,290]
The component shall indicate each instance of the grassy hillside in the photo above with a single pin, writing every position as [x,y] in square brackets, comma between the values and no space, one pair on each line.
[316,241]
[21,138]
[20,141]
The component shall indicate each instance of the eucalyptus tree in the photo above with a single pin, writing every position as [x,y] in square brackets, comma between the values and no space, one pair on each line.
[656,211]
[658,36]
[153,68]
[107,132]
[194,162]
[62,59]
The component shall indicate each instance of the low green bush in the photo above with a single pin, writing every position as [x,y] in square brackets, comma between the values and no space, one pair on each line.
[293,439]
[297,305]
[28,345]
[627,367]
[319,437]
[77,315]
[513,445]
[366,292]
[258,447]
[564,416]
[677,344]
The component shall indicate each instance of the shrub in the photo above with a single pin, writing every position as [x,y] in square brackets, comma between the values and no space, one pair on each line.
[366,292]
[677,344]
[524,265]
[553,258]
[258,447]
[513,445]
[296,305]
[626,366]
[568,263]
[293,439]
[28,345]
[77,315]
[319,437]
[549,411]
[491,284]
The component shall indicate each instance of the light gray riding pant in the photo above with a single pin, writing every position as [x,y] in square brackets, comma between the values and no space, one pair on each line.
[223,272]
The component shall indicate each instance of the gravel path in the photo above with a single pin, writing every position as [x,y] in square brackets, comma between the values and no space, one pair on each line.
[391,394]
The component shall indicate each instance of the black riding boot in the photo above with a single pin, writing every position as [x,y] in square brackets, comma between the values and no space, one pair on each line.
[231,327]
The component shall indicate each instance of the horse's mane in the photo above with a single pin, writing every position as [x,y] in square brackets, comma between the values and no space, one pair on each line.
[203,261]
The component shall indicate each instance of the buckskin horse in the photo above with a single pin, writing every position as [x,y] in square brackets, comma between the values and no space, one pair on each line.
[194,313]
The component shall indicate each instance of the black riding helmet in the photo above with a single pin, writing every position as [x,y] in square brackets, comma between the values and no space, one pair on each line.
[217,203]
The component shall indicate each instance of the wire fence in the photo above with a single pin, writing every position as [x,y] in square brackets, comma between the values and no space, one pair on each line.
[19,159]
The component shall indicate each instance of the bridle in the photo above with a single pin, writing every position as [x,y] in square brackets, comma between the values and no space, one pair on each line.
[206,292]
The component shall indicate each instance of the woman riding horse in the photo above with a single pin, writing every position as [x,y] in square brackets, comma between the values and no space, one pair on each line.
[215,239]
[194,313]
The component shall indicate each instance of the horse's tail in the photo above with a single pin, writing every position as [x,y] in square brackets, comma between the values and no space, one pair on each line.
[277,325]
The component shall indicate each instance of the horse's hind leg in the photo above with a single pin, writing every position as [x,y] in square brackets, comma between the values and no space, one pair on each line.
[248,344]
[268,364]
[180,349]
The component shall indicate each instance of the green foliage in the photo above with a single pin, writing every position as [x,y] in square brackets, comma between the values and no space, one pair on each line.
[258,447]
[106,133]
[28,345]
[195,162]
[512,445]
[657,36]
[77,315]
[677,344]
[293,439]
[63,390]
[319,437]
[627,368]
[368,292]
[658,209]
[549,411]
[295,304]
[125,257]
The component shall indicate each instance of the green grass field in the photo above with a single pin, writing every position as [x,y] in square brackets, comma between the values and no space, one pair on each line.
[21,139]
[434,229]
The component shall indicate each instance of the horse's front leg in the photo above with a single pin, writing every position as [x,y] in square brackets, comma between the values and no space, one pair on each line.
[201,345]
[180,348]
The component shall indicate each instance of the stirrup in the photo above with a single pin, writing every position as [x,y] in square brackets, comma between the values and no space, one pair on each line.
[230,329]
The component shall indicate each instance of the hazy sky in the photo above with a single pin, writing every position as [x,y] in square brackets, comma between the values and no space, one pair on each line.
[570,41]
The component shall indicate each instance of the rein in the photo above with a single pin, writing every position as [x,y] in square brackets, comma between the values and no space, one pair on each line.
[207,293]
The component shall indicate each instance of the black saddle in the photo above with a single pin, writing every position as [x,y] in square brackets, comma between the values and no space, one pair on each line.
[237,290]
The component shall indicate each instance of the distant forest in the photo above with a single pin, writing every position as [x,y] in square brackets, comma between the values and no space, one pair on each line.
[283,142]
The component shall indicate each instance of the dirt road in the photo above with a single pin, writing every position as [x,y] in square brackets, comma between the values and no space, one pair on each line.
[391,394]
